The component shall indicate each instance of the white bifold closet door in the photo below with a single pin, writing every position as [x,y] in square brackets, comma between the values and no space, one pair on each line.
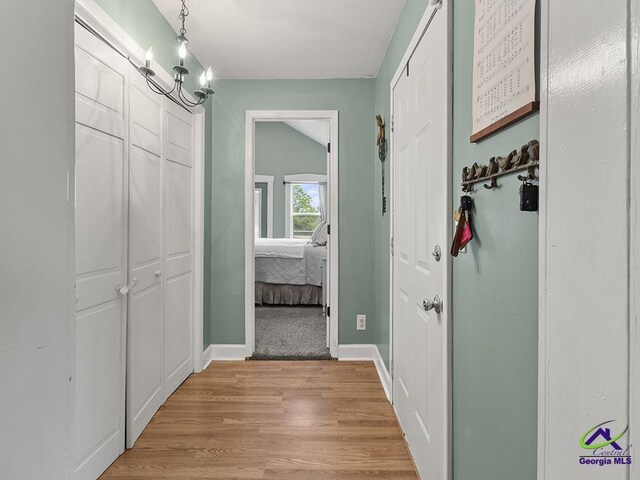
[160,353]
[134,253]
[101,254]
[178,246]
[145,342]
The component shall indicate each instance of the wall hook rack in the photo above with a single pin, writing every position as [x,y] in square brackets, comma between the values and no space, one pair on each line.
[526,159]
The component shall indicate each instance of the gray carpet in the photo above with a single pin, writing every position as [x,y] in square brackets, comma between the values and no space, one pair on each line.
[290,333]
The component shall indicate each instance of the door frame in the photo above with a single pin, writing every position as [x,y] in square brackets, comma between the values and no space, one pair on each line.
[253,116]
[548,290]
[425,21]
[90,13]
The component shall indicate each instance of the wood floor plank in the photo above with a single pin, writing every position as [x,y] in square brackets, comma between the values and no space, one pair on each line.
[312,420]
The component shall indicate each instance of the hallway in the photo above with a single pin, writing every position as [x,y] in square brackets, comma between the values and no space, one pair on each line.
[272,420]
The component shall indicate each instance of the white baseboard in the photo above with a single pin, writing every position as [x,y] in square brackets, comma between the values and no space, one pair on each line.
[228,352]
[207,357]
[352,353]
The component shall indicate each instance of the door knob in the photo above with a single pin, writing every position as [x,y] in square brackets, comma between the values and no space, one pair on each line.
[435,304]
[437,253]
[124,290]
[158,273]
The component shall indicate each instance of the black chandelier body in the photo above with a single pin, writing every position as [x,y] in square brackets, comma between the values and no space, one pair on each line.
[180,71]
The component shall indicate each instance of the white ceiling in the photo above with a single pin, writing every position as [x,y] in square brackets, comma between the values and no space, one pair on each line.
[315,130]
[288,38]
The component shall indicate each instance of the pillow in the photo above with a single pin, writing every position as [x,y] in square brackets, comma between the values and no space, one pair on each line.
[319,236]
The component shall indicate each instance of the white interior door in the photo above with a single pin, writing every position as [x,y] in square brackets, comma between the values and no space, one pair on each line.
[101,236]
[178,246]
[145,321]
[420,178]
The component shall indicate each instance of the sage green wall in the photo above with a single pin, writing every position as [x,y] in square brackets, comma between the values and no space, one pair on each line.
[494,283]
[495,294]
[282,150]
[148,27]
[354,100]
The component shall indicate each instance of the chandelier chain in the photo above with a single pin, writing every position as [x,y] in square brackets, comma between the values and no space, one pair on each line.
[184,12]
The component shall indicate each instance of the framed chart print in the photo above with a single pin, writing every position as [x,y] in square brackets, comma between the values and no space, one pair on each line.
[504,83]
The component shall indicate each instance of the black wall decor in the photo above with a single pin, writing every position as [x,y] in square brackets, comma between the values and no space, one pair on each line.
[382,155]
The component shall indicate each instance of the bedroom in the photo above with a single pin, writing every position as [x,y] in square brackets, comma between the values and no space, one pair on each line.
[290,230]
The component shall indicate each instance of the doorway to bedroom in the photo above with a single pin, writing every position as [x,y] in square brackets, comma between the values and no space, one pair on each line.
[291,235]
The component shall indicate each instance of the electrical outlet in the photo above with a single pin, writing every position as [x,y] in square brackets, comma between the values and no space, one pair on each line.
[361,323]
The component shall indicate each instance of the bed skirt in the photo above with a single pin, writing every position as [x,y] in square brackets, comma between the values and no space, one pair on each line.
[277,294]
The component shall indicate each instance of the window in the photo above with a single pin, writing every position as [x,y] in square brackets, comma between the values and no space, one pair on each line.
[257,213]
[305,204]
[305,209]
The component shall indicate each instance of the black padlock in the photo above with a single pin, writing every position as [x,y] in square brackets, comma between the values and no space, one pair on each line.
[528,197]
[466,202]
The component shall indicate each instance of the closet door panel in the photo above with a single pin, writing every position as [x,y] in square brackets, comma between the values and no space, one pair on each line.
[145,209]
[145,393]
[178,265]
[100,86]
[178,363]
[179,131]
[178,210]
[100,216]
[101,255]
[146,120]
[99,396]
[178,247]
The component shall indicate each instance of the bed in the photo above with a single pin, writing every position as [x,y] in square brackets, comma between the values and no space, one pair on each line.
[289,271]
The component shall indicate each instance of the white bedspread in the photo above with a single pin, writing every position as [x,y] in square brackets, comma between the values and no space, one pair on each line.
[280,247]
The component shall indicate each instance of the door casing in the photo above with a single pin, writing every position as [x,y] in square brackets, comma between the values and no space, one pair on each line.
[253,116]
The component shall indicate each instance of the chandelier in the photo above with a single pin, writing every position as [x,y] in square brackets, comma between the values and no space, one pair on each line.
[180,71]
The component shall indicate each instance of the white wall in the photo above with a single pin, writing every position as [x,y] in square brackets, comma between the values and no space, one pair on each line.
[36,238]
[589,258]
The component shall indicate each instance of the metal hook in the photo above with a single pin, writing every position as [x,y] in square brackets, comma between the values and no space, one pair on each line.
[494,184]
[531,175]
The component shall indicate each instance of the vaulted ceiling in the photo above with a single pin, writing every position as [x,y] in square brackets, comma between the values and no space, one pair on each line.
[288,38]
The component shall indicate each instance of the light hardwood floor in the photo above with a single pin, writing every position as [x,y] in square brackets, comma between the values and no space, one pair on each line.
[313,420]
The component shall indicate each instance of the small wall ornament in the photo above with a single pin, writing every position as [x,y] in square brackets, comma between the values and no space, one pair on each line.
[382,155]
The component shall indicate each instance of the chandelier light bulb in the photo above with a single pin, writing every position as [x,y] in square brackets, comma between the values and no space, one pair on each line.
[209,74]
[182,51]
[148,57]
[203,79]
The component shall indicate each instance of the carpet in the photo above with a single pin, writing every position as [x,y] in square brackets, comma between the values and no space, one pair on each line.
[290,333]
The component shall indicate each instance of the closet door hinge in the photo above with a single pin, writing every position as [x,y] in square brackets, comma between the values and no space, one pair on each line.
[329,147]
[328,311]
[391,246]
[392,124]
[391,368]
[329,229]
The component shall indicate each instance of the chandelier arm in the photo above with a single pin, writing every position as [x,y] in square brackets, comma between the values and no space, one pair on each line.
[155,89]
[185,100]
